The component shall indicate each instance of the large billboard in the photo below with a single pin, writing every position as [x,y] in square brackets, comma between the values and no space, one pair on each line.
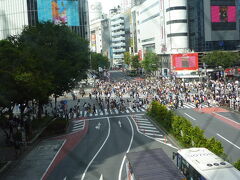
[59,11]
[187,61]
[223,15]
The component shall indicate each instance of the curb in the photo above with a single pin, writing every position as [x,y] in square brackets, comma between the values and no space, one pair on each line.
[5,166]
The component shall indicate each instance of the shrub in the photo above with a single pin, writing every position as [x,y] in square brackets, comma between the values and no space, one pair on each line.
[237,164]
[56,127]
[183,130]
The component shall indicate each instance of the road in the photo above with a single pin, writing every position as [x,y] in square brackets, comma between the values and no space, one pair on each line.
[102,151]
[222,127]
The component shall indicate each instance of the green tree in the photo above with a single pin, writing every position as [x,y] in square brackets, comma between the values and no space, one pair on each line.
[135,62]
[57,54]
[221,58]
[127,58]
[98,60]
[150,62]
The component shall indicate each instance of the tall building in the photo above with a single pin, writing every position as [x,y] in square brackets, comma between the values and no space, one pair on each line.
[136,2]
[213,24]
[100,36]
[95,10]
[15,14]
[120,36]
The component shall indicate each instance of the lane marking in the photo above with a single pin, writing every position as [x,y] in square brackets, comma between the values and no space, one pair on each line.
[129,146]
[226,118]
[190,116]
[228,141]
[45,173]
[109,129]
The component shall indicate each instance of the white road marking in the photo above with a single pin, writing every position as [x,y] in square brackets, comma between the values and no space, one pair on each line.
[101,113]
[84,174]
[146,127]
[124,158]
[227,118]
[228,141]
[106,112]
[190,116]
[145,124]
[156,139]
[44,174]
[149,130]
[117,112]
[154,134]
[131,109]
[127,111]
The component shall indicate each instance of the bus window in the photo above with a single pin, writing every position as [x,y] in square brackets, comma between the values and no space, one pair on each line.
[185,168]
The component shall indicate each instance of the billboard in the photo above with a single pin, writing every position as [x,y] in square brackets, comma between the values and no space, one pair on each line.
[59,11]
[223,15]
[187,61]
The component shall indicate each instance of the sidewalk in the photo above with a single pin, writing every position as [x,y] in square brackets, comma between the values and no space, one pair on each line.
[34,164]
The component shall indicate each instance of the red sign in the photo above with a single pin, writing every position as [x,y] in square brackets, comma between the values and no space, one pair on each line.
[187,61]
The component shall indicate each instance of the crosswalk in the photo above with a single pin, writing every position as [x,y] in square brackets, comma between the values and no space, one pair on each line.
[107,112]
[78,125]
[191,106]
[147,128]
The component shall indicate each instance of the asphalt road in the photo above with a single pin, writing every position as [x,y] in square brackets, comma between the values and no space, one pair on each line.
[214,127]
[102,150]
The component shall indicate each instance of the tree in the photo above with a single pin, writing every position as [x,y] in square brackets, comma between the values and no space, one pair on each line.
[57,54]
[98,60]
[127,58]
[135,62]
[237,164]
[221,58]
[150,62]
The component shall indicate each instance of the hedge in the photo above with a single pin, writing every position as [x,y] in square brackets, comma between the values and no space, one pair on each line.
[182,129]
[56,127]
[237,164]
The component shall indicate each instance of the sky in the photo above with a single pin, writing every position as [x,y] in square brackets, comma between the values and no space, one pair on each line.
[106,5]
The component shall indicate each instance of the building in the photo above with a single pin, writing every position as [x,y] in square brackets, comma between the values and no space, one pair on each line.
[95,11]
[100,36]
[120,35]
[213,25]
[14,15]
[160,27]
[136,2]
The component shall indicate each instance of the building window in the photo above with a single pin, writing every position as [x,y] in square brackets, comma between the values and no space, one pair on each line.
[176,8]
[151,17]
[177,34]
[177,21]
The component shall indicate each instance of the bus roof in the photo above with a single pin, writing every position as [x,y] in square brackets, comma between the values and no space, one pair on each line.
[209,165]
[153,164]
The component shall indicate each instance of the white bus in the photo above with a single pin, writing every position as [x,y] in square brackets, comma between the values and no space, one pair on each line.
[202,164]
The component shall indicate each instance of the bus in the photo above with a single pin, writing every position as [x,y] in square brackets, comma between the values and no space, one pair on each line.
[202,164]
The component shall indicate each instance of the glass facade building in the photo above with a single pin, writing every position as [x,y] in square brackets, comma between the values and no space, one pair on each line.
[14,15]
[205,32]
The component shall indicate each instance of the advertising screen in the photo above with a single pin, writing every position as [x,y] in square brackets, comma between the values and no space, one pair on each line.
[223,15]
[185,61]
[59,11]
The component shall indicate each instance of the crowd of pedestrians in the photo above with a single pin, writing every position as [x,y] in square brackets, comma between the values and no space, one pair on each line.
[173,93]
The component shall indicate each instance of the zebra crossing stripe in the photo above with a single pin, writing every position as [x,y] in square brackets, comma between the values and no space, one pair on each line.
[131,109]
[96,113]
[146,127]
[141,121]
[106,112]
[85,113]
[81,113]
[91,114]
[145,124]
[127,111]
[155,134]
[149,130]
[137,109]
[117,112]
[142,109]
[101,113]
